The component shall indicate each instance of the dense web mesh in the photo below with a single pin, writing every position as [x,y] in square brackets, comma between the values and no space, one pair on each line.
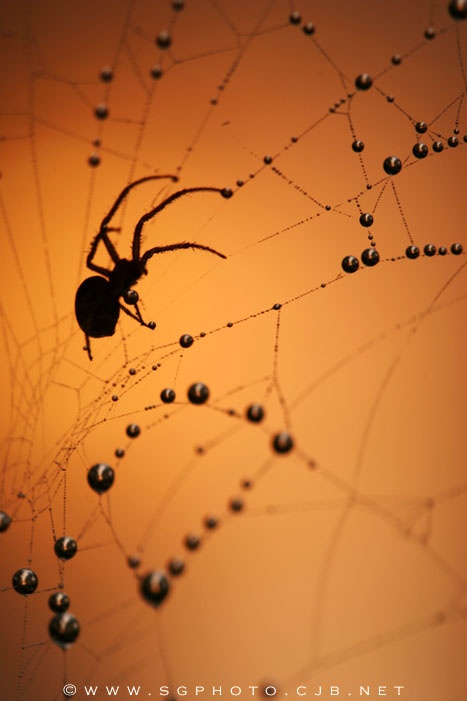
[267,491]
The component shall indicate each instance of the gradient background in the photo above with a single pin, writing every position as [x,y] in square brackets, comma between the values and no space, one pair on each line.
[347,565]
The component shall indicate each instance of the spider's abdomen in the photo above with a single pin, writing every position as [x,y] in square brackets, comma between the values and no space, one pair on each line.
[96,307]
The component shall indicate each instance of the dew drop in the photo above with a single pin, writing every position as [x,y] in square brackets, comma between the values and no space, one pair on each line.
[282,442]
[154,587]
[106,74]
[295,18]
[101,477]
[363,81]
[64,629]
[186,340]
[25,581]
[59,602]
[236,504]
[429,250]
[192,541]
[370,257]
[255,413]
[65,548]
[156,72]
[358,145]
[309,28]
[94,160]
[167,395]
[412,252]
[176,566]
[101,111]
[392,165]
[420,150]
[133,431]
[458,9]
[366,219]
[163,39]
[198,393]
[350,264]
[5,521]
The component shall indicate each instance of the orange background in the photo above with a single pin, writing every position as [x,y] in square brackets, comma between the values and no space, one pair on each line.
[347,565]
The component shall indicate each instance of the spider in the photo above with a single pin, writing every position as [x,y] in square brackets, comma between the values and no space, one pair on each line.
[97,302]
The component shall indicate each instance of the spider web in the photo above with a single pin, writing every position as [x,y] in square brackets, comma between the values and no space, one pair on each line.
[340,563]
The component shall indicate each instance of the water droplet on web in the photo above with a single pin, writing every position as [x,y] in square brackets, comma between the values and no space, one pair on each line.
[358,145]
[65,547]
[156,72]
[106,74]
[25,581]
[309,28]
[198,393]
[211,522]
[295,17]
[154,587]
[370,257]
[5,521]
[282,442]
[429,250]
[101,111]
[392,165]
[366,219]
[412,252]
[186,340]
[134,561]
[350,264]
[167,395]
[64,629]
[192,541]
[363,81]
[133,431]
[101,477]
[458,9]
[59,602]
[236,504]
[420,150]
[176,566]
[163,39]
[255,413]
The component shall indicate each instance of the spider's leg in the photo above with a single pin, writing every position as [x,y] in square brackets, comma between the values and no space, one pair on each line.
[104,227]
[127,189]
[87,346]
[136,247]
[102,236]
[176,247]
[137,316]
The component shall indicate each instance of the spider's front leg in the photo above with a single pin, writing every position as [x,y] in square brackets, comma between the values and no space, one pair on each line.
[132,297]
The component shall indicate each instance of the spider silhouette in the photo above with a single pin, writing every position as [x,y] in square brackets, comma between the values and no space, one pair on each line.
[97,301]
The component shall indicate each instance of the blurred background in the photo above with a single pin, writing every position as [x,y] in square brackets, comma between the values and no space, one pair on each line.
[341,561]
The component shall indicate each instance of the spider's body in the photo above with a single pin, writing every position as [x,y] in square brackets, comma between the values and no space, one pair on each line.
[97,308]
[97,302]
